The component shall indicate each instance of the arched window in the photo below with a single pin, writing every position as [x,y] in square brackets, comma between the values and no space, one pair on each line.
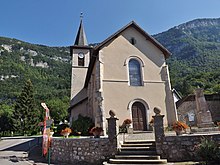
[135,73]
[81,61]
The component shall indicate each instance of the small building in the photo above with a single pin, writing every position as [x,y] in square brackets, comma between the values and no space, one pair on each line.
[187,109]
[126,73]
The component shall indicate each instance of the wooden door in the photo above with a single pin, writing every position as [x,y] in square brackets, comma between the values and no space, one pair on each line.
[139,117]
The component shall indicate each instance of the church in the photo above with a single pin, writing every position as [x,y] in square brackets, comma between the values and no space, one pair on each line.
[126,73]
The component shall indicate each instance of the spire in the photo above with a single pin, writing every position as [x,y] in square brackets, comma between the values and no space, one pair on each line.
[81,35]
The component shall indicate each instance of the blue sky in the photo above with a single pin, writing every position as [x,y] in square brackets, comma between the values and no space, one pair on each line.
[55,22]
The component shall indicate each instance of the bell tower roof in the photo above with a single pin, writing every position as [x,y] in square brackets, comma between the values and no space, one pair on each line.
[81,39]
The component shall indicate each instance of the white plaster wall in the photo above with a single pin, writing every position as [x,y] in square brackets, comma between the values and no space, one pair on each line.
[78,72]
[116,90]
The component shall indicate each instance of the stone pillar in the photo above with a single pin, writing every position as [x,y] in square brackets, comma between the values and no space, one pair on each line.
[113,131]
[204,118]
[158,124]
[112,128]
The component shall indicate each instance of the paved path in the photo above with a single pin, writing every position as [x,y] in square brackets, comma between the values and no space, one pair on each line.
[20,150]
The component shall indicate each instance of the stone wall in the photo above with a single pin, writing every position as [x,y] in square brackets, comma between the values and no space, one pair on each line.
[188,105]
[214,107]
[184,109]
[181,148]
[82,151]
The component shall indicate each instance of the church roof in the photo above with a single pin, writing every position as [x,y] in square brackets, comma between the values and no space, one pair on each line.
[81,39]
[79,98]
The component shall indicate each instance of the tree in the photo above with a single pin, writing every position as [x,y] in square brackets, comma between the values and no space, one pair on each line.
[58,109]
[26,117]
[216,88]
[186,88]
[208,150]
[82,124]
[6,112]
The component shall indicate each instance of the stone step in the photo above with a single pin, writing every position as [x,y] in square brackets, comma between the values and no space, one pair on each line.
[149,148]
[138,145]
[106,163]
[139,142]
[148,157]
[142,132]
[137,161]
[137,152]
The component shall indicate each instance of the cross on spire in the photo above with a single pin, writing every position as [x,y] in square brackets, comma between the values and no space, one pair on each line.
[81,16]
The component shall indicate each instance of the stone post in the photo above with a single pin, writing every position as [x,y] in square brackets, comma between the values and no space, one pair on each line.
[204,117]
[113,131]
[158,124]
[112,128]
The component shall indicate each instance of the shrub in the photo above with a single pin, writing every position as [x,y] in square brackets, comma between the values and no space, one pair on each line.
[122,129]
[208,151]
[82,124]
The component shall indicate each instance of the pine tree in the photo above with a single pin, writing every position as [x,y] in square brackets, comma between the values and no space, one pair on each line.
[26,116]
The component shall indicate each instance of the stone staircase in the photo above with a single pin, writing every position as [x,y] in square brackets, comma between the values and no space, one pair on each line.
[137,152]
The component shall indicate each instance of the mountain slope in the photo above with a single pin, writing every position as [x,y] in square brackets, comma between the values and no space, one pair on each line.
[195,60]
[48,68]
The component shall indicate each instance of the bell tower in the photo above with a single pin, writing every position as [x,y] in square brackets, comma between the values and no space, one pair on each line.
[80,53]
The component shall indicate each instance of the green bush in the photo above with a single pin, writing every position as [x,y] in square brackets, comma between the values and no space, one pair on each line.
[122,129]
[208,151]
[83,124]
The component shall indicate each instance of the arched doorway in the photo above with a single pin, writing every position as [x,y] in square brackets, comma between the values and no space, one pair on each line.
[139,117]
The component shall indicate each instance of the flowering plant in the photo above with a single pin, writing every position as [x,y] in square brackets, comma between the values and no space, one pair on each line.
[151,122]
[127,121]
[179,126]
[65,131]
[96,130]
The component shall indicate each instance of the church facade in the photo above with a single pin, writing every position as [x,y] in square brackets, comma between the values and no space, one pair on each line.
[126,73]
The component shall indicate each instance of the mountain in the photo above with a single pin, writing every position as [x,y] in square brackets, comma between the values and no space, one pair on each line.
[195,61]
[48,68]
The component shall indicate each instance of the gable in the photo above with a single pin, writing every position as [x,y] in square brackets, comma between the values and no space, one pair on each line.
[141,31]
[144,45]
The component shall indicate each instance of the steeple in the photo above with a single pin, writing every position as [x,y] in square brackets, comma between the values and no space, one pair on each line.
[81,39]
